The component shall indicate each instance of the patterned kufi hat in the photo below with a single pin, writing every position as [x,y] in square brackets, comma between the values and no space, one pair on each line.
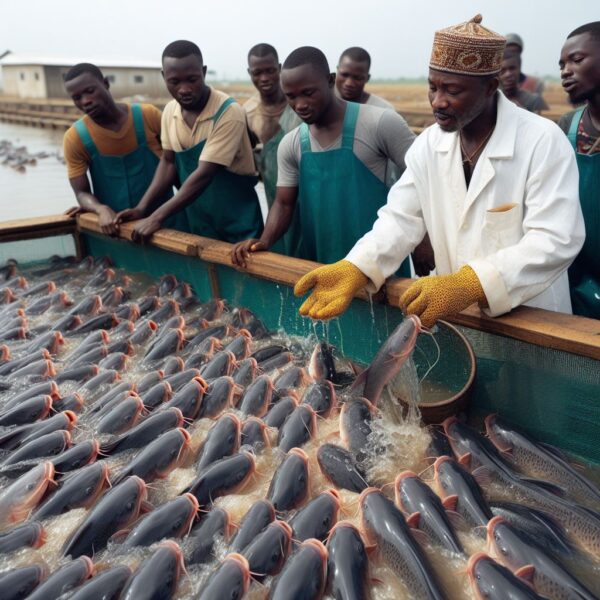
[467,49]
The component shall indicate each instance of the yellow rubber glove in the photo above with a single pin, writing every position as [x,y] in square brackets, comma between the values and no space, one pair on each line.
[334,287]
[439,296]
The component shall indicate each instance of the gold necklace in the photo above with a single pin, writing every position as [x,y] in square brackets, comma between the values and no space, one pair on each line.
[469,159]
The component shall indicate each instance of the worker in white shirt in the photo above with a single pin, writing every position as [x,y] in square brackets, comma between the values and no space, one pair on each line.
[495,186]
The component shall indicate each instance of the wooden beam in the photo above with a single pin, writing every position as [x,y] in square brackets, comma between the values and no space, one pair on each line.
[577,335]
[35,227]
[540,327]
[167,239]
[266,265]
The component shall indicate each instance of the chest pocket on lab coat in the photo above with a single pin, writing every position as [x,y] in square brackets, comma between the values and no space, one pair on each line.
[503,227]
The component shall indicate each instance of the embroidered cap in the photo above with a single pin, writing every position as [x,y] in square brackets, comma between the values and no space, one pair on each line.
[467,49]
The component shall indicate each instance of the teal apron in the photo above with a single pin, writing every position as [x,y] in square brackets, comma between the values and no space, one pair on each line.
[584,274]
[267,159]
[228,208]
[266,162]
[121,181]
[338,197]
[267,165]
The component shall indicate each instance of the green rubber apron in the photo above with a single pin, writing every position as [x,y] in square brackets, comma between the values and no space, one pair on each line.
[228,208]
[267,165]
[120,181]
[584,274]
[338,197]
[267,159]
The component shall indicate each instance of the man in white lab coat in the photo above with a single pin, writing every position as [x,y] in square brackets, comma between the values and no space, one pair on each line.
[495,186]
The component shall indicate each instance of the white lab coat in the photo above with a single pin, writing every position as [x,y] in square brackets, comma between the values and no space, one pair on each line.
[521,252]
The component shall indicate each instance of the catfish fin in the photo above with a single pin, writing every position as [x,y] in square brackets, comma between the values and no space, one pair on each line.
[482,476]
[119,536]
[450,502]
[526,572]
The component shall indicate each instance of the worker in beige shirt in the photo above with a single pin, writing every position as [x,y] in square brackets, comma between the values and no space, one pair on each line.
[269,116]
[206,146]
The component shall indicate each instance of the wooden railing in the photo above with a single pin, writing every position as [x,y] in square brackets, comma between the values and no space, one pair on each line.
[568,333]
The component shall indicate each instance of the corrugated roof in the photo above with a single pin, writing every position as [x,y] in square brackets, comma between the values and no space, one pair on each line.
[64,61]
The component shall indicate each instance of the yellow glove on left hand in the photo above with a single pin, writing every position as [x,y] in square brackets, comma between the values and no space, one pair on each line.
[333,287]
[439,296]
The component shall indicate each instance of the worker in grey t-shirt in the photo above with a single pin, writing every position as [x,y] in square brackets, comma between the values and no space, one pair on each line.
[332,169]
[352,76]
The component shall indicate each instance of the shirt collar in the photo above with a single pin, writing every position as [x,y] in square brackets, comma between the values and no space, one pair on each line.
[208,112]
[502,142]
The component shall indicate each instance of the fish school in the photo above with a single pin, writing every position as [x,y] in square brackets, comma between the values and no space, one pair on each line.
[380,380]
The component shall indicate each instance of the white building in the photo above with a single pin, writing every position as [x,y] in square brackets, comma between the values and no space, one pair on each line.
[35,77]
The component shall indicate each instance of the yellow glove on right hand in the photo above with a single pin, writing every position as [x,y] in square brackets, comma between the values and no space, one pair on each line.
[334,287]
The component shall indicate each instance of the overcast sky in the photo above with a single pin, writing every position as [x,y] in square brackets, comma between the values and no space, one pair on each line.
[397,33]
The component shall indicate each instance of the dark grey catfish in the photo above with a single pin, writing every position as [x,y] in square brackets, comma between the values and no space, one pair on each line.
[347,564]
[79,490]
[582,525]
[259,515]
[157,577]
[188,399]
[218,397]
[255,434]
[225,476]
[298,428]
[201,540]
[355,426]
[516,552]
[230,579]
[540,460]
[492,581]
[290,484]
[122,418]
[29,534]
[536,525]
[280,411]
[160,457]
[257,397]
[339,467]
[155,396]
[384,525]
[46,445]
[304,575]
[222,439]
[269,550]
[107,585]
[31,410]
[388,360]
[17,584]
[173,519]
[317,517]
[115,511]
[322,363]
[170,343]
[321,396]
[64,580]
[461,492]
[147,431]
[426,510]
